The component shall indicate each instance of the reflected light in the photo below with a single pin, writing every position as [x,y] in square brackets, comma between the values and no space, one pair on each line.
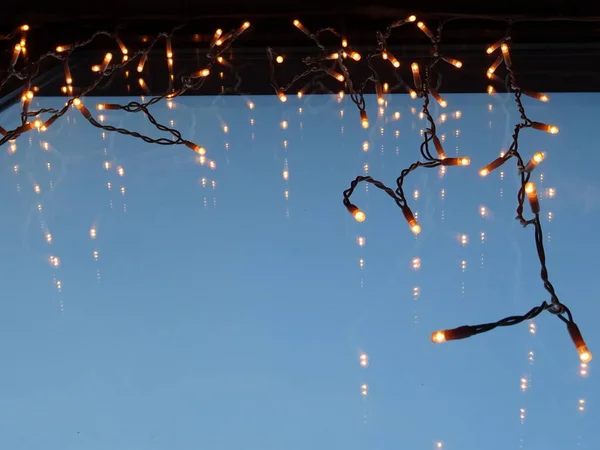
[364,389]
[364,360]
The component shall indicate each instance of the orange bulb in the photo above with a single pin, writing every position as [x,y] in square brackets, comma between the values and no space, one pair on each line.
[544,127]
[364,121]
[438,147]
[506,55]
[196,148]
[491,166]
[533,197]
[438,337]
[456,161]
[537,158]
[492,48]
[455,62]
[530,189]
[438,98]
[425,30]
[415,228]
[416,76]
[359,216]
[584,354]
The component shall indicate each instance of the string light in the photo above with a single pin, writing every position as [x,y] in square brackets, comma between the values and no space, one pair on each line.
[105,70]
[424,89]
[425,86]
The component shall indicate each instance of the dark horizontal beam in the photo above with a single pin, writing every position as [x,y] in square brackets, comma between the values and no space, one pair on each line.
[549,54]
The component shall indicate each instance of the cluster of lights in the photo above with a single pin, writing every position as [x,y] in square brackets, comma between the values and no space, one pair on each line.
[220,43]
[423,89]
[423,84]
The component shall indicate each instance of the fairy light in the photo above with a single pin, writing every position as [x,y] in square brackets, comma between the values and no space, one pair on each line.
[68,76]
[537,95]
[334,74]
[495,46]
[506,55]
[243,27]
[391,58]
[195,148]
[456,161]
[425,30]
[379,92]
[438,147]
[412,222]
[106,62]
[222,39]
[169,48]
[364,120]
[301,27]
[531,192]
[438,97]
[81,107]
[121,46]
[200,73]
[356,56]
[107,106]
[492,166]
[216,36]
[455,62]
[15,55]
[358,215]
[142,62]
[494,66]
[537,158]
[544,127]
[416,76]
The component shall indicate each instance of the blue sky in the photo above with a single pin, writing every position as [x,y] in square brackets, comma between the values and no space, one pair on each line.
[227,307]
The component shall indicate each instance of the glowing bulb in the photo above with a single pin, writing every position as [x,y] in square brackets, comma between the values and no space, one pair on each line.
[438,337]
[416,76]
[425,30]
[544,127]
[537,158]
[364,120]
[455,62]
[492,48]
[506,55]
[410,218]
[106,62]
[358,215]
[584,354]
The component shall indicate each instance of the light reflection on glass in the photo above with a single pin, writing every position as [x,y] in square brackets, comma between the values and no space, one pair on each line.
[363,360]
